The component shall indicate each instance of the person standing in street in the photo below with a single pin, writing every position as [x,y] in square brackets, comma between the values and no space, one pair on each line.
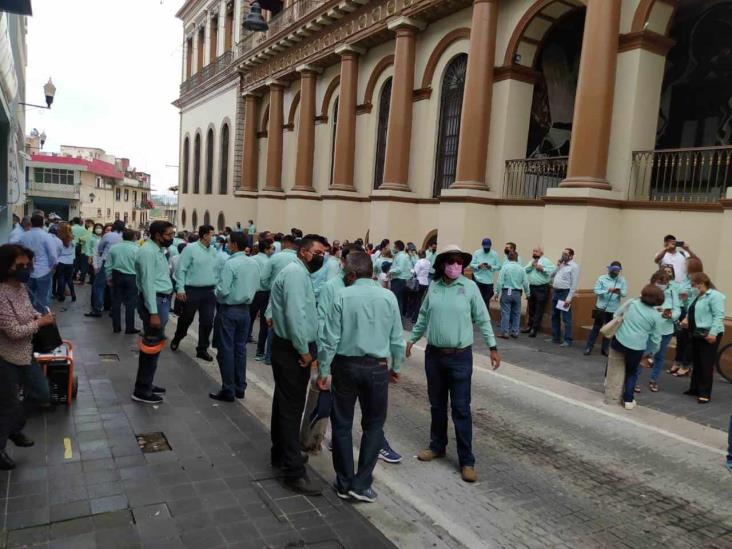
[401,271]
[234,293]
[45,257]
[66,262]
[422,270]
[485,264]
[80,235]
[100,280]
[539,273]
[294,318]
[119,270]
[512,282]
[362,332]
[251,233]
[153,305]
[23,226]
[196,280]
[674,253]
[261,298]
[278,262]
[452,305]
[565,283]
[610,290]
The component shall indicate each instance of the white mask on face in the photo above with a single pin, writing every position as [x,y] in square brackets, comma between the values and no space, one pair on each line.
[662,286]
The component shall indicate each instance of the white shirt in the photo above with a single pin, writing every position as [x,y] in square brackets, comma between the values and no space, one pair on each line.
[678,261]
[422,270]
[566,277]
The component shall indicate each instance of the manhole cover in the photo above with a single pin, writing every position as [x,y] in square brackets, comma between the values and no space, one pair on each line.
[153,442]
[108,357]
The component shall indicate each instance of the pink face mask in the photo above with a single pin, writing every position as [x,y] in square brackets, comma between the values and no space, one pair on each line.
[453,270]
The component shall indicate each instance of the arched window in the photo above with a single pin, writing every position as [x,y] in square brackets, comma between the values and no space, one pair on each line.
[451,108]
[194,220]
[183,217]
[384,105]
[186,160]
[209,161]
[206,218]
[197,164]
[224,175]
[220,222]
[333,142]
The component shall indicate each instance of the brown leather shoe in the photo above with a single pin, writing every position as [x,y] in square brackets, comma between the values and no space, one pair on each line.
[468,474]
[428,455]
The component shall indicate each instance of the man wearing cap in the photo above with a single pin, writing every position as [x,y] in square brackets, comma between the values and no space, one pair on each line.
[512,282]
[539,272]
[485,262]
[362,332]
[610,289]
[153,305]
[451,307]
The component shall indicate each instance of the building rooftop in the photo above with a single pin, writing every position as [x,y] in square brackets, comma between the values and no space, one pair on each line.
[97,167]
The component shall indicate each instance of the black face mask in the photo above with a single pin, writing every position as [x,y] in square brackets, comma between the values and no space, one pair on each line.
[507,251]
[536,256]
[22,275]
[486,250]
[166,243]
[316,263]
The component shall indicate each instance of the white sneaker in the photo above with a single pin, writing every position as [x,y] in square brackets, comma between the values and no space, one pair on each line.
[630,405]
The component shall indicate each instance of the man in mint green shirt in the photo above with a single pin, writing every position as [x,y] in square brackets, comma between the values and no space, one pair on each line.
[294,318]
[121,276]
[285,257]
[261,298]
[400,272]
[235,291]
[87,252]
[512,282]
[251,232]
[539,271]
[362,333]
[153,304]
[196,277]
[484,264]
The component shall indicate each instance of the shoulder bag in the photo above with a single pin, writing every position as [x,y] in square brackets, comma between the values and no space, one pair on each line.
[610,329]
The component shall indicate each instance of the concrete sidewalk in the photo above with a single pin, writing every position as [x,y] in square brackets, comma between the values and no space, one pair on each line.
[86,483]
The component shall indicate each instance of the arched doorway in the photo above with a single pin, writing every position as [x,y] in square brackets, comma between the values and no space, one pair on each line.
[430,239]
[206,218]
[194,220]
[220,222]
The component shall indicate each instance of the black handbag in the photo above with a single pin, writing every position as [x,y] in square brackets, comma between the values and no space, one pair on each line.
[46,339]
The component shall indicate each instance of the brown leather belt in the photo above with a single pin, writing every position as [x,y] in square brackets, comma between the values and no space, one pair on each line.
[450,350]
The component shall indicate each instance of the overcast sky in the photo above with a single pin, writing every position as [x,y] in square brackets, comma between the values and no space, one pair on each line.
[116,65]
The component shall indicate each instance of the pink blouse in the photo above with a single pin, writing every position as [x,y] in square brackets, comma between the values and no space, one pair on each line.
[18,323]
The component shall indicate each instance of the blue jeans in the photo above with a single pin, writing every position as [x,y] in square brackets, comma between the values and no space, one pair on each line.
[510,311]
[365,379]
[598,323]
[399,287]
[148,364]
[632,368]
[660,356]
[561,316]
[124,291]
[450,374]
[40,292]
[97,292]
[232,323]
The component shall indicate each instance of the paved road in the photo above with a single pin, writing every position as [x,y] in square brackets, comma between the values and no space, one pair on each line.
[556,468]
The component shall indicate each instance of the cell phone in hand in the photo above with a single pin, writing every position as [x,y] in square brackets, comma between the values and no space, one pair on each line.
[680,243]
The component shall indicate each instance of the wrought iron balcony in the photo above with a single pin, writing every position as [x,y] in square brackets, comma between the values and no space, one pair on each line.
[529,178]
[217,66]
[697,175]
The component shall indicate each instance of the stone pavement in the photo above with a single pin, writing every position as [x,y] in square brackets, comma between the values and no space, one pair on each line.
[214,488]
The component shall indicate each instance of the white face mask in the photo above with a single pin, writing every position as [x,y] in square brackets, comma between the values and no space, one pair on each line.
[662,286]
[97,231]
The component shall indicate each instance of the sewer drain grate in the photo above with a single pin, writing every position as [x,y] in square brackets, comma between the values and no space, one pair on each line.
[108,357]
[153,442]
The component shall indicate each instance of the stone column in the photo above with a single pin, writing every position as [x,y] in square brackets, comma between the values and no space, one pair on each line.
[399,132]
[306,129]
[250,156]
[593,105]
[476,115]
[345,145]
[273,181]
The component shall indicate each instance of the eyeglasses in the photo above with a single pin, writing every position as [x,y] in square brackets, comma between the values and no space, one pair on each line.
[22,266]
[453,261]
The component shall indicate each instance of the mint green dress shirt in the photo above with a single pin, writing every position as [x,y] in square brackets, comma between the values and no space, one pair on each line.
[671,301]
[430,256]
[364,320]
[641,327]
[122,257]
[153,274]
[709,311]
[197,267]
[90,245]
[325,301]
[80,234]
[484,276]
[292,306]
[512,275]
[264,262]
[540,278]
[280,261]
[448,313]
[239,280]
[401,268]
[610,302]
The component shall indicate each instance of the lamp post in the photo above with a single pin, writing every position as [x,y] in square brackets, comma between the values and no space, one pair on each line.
[49,90]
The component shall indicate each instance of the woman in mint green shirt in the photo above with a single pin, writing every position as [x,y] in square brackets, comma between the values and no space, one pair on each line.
[705,322]
[687,294]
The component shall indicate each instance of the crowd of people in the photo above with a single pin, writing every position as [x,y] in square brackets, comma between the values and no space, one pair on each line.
[331,319]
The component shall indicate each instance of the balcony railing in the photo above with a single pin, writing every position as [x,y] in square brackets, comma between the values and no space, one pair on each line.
[699,175]
[529,178]
[283,20]
[53,190]
[217,66]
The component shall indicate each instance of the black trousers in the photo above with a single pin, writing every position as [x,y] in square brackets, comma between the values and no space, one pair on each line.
[258,307]
[201,300]
[486,292]
[291,382]
[703,357]
[12,415]
[537,304]
[124,292]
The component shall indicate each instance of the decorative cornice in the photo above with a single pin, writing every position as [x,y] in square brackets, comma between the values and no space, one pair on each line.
[347,49]
[645,40]
[405,22]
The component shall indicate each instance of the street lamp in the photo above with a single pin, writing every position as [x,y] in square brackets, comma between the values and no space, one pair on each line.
[92,196]
[254,21]
[42,137]
[49,90]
